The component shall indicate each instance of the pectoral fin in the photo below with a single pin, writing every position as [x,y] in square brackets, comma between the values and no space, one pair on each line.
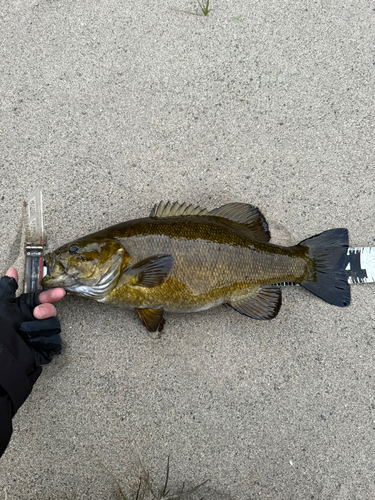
[264,304]
[150,272]
[153,319]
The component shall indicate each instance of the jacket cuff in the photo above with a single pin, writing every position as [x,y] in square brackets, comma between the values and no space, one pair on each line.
[5,423]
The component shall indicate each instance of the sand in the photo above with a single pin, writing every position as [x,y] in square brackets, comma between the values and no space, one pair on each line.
[110,107]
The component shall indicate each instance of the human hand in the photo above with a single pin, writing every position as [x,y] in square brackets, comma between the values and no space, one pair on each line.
[32,315]
[45,309]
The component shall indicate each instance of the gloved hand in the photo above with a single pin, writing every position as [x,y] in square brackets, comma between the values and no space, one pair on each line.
[33,316]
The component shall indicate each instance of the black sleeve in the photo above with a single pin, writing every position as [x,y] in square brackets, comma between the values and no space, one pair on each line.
[18,374]
[5,422]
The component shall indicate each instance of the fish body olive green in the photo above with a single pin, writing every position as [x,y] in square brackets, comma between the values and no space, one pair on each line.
[185,259]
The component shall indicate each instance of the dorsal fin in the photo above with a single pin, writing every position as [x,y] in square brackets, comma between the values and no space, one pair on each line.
[176,210]
[243,213]
[247,215]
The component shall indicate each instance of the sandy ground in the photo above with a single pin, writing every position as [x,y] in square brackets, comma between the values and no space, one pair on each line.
[111,106]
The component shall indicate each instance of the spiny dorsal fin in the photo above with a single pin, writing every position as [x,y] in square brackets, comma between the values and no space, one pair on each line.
[176,210]
[245,214]
[264,304]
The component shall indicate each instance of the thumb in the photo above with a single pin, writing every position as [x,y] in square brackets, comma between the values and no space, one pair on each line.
[12,273]
[9,286]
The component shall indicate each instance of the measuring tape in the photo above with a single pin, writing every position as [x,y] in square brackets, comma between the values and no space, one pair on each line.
[359,266]
[34,248]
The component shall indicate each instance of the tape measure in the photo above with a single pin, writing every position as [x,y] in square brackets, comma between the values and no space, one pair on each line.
[34,248]
[360,265]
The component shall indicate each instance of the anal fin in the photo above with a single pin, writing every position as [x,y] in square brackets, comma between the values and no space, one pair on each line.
[264,304]
[153,319]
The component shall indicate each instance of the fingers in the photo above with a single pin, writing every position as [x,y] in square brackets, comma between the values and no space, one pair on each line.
[12,273]
[53,295]
[44,311]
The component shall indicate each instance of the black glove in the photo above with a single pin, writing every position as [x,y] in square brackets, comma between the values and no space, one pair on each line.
[41,335]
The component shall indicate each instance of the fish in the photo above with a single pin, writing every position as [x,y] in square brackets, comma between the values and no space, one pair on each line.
[184,258]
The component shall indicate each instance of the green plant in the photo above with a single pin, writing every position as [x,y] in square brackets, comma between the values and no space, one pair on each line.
[205,8]
[146,490]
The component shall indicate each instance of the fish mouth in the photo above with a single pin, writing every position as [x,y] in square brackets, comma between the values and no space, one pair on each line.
[56,275]
[50,281]
[59,275]
[54,280]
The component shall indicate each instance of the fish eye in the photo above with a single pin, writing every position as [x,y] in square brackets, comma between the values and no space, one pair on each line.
[73,249]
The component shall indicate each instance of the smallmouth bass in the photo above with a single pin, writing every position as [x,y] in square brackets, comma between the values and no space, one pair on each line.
[185,259]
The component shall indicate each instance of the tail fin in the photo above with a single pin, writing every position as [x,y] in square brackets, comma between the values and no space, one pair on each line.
[328,252]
